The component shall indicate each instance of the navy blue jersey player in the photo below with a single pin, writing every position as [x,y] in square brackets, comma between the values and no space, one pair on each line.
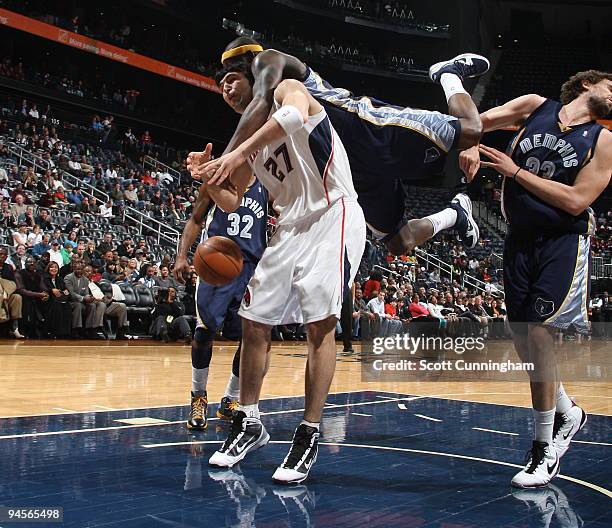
[556,166]
[388,146]
[218,305]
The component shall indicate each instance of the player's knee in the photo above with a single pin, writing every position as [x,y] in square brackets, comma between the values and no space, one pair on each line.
[402,242]
[471,132]
[318,330]
[254,332]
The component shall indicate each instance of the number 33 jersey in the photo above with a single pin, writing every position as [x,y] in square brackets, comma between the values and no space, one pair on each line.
[547,148]
[307,172]
[246,226]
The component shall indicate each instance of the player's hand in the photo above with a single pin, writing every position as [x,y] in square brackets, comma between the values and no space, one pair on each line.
[180,266]
[469,162]
[196,159]
[501,162]
[217,171]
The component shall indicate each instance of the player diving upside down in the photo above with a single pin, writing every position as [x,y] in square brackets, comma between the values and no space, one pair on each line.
[388,146]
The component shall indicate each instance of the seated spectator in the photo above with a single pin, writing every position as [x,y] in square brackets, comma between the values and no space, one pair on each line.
[58,308]
[75,196]
[418,310]
[372,284]
[168,318]
[190,292]
[112,309]
[107,244]
[29,282]
[19,207]
[60,196]
[67,251]
[42,247]
[165,280]
[150,277]
[18,259]
[130,195]
[48,199]
[55,253]
[30,180]
[21,235]
[110,272]
[85,308]
[72,239]
[92,255]
[10,309]
[126,249]
[35,237]
[483,318]
[497,320]
[106,209]
[362,317]
[131,272]
[76,225]
[117,194]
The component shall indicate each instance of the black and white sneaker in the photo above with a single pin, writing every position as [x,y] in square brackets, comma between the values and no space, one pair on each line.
[246,434]
[464,66]
[541,504]
[301,456]
[299,502]
[466,226]
[565,428]
[542,466]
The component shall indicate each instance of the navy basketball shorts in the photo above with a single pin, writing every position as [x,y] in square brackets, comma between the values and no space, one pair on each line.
[546,280]
[215,304]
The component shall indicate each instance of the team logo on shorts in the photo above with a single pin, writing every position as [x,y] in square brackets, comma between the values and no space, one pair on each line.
[544,308]
[431,155]
[247,298]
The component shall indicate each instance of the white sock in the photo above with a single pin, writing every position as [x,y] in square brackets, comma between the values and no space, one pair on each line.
[564,403]
[232,390]
[252,411]
[451,84]
[311,424]
[199,379]
[543,421]
[442,220]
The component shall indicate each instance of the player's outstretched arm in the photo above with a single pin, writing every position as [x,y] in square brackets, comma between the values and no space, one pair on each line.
[590,182]
[191,232]
[511,114]
[228,195]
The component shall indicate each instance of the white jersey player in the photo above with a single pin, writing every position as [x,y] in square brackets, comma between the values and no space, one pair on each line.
[308,265]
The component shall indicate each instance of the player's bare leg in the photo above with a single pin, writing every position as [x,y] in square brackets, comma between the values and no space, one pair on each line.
[457,215]
[320,369]
[451,74]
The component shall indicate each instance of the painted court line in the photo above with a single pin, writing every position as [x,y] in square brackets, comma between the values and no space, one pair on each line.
[104,408]
[592,443]
[427,417]
[361,414]
[114,428]
[64,410]
[494,431]
[584,483]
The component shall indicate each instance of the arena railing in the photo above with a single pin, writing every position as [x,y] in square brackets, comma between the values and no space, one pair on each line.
[143,222]
[482,212]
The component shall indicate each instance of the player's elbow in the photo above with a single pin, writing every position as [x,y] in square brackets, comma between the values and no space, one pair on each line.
[576,206]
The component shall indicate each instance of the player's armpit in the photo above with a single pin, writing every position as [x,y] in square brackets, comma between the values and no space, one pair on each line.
[512,113]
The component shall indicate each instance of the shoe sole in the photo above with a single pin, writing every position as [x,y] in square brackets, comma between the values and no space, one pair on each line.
[257,445]
[466,204]
[436,67]
[192,428]
[518,486]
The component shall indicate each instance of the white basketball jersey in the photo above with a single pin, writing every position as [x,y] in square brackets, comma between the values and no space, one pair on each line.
[306,172]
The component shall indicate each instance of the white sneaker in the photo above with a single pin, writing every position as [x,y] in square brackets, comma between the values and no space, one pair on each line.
[301,456]
[566,426]
[542,466]
[541,504]
[246,434]
[16,334]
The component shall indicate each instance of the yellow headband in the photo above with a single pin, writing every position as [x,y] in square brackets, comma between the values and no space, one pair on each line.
[240,50]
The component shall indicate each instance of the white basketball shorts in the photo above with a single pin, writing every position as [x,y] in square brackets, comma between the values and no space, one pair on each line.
[307,268]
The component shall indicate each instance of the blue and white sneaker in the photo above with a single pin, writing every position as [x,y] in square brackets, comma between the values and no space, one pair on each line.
[464,66]
[246,434]
[466,226]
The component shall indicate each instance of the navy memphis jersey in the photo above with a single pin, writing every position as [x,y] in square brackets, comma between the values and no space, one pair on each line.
[548,149]
[246,225]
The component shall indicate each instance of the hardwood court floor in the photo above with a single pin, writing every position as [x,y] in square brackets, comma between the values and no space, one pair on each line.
[55,377]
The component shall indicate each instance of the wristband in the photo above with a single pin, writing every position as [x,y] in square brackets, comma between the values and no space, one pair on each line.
[517,171]
[289,118]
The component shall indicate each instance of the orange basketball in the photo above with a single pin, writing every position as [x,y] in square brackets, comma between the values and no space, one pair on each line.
[218,260]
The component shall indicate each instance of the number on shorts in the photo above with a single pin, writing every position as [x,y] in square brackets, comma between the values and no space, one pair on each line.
[234,227]
[545,169]
[271,164]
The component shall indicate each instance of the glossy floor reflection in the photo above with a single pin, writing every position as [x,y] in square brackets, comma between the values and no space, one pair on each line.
[387,460]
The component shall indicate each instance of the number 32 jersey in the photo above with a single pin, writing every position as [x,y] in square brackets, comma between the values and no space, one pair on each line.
[547,148]
[307,172]
[246,226]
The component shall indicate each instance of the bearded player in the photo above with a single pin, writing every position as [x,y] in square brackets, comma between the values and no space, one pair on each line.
[557,165]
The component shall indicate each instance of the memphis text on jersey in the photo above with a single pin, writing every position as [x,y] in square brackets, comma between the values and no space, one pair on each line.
[564,148]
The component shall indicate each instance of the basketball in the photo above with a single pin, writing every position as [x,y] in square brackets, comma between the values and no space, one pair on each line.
[218,260]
